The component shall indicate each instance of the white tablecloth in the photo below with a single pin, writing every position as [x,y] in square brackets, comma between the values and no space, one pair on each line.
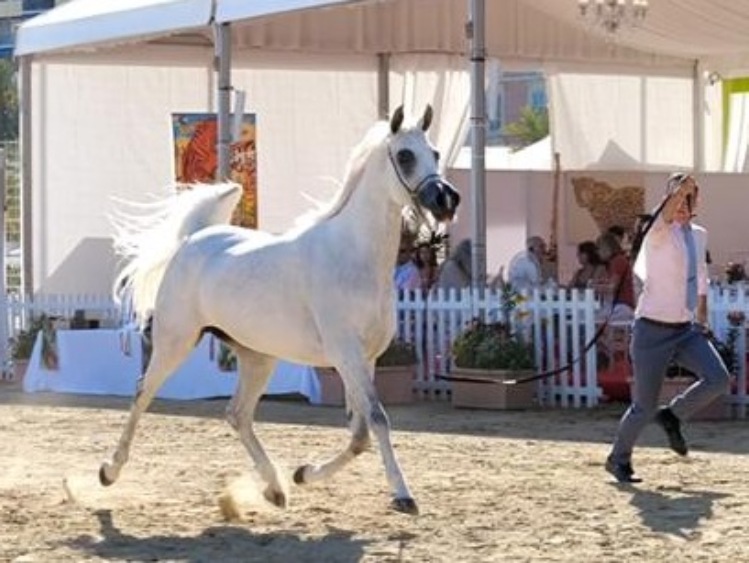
[93,362]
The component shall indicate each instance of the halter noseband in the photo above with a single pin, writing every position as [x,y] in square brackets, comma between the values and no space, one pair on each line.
[411,191]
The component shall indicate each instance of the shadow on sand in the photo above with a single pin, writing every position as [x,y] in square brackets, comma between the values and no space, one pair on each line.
[218,543]
[674,511]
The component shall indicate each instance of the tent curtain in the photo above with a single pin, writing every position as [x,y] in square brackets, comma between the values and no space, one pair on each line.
[442,81]
[622,122]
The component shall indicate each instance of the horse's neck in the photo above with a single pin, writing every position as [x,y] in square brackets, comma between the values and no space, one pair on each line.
[372,220]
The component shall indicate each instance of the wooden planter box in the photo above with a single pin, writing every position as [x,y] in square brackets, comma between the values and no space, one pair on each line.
[394,385]
[492,395]
[719,409]
[672,386]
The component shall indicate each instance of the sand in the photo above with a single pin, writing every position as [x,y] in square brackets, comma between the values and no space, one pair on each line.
[491,486]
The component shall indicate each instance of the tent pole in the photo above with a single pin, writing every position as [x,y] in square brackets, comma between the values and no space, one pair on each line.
[223,67]
[475,32]
[698,99]
[3,271]
[383,86]
[27,241]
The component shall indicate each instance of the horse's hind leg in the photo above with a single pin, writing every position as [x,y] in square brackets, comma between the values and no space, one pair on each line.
[360,442]
[254,372]
[169,351]
[361,396]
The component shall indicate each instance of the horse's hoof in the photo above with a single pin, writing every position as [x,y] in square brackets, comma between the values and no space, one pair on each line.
[405,505]
[275,497]
[299,475]
[104,479]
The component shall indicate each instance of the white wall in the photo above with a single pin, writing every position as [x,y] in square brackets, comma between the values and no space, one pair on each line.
[101,128]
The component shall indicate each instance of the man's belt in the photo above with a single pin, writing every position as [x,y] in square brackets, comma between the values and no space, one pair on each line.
[664,324]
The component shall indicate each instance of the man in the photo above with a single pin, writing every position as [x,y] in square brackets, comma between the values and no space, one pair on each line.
[669,325]
[456,270]
[526,269]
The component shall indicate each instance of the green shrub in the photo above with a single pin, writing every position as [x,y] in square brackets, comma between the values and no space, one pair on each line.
[398,353]
[491,346]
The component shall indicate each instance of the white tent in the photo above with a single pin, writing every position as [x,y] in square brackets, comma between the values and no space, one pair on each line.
[101,79]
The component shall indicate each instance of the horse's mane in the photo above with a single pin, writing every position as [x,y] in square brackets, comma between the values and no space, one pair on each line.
[354,170]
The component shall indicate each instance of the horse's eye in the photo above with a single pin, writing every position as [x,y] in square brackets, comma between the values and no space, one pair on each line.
[437,156]
[406,160]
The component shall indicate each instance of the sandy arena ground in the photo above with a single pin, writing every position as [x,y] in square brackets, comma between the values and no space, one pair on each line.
[491,486]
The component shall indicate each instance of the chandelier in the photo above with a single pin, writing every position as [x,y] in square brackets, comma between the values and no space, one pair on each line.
[613,15]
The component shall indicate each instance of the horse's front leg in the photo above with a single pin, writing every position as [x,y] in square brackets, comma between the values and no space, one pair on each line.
[358,379]
[254,372]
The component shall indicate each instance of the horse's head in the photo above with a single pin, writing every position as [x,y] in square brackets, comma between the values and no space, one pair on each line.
[414,162]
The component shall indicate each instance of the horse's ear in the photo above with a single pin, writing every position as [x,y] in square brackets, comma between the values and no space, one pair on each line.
[397,120]
[426,119]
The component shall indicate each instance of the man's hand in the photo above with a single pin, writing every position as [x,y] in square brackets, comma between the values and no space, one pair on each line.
[683,198]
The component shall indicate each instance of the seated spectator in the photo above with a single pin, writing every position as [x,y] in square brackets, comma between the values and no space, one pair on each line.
[735,272]
[456,270]
[619,276]
[619,232]
[526,269]
[425,259]
[592,270]
[407,276]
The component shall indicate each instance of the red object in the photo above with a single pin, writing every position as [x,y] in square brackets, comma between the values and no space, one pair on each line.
[614,381]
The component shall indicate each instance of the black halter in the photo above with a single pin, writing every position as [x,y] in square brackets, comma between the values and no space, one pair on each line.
[412,191]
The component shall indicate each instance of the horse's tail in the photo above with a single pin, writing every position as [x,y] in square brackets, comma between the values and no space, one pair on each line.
[149,238]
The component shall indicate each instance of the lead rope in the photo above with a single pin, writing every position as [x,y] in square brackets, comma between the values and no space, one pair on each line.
[636,245]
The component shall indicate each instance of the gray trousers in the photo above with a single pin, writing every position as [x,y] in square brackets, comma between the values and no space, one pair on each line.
[652,349]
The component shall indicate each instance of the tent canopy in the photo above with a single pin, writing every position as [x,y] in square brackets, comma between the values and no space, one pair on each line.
[88,23]
[674,33]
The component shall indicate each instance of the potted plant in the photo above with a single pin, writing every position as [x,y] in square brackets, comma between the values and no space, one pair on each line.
[22,345]
[393,377]
[489,353]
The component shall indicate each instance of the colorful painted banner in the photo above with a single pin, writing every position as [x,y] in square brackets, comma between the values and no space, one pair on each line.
[195,159]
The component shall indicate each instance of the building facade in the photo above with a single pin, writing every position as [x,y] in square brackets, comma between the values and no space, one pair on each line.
[12,13]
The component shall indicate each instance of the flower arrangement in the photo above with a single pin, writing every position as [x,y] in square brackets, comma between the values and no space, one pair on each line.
[728,350]
[491,346]
[735,272]
[22,344]
[495,345]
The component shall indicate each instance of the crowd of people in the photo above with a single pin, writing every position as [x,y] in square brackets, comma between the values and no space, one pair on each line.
[604,266]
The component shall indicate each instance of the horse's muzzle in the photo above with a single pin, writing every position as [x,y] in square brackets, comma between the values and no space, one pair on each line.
[439,198]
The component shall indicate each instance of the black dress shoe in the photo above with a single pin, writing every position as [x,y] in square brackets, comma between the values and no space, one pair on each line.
[672,426]
[622,472]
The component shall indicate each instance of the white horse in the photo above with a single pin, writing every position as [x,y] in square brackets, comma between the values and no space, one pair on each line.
[321,294]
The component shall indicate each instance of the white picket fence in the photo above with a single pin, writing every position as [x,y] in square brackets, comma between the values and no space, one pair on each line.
[22,310]
[559,323]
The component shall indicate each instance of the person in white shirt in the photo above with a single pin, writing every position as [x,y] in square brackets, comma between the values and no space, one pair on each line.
[526,269]
[456,270]
[670,325]
[406,276]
